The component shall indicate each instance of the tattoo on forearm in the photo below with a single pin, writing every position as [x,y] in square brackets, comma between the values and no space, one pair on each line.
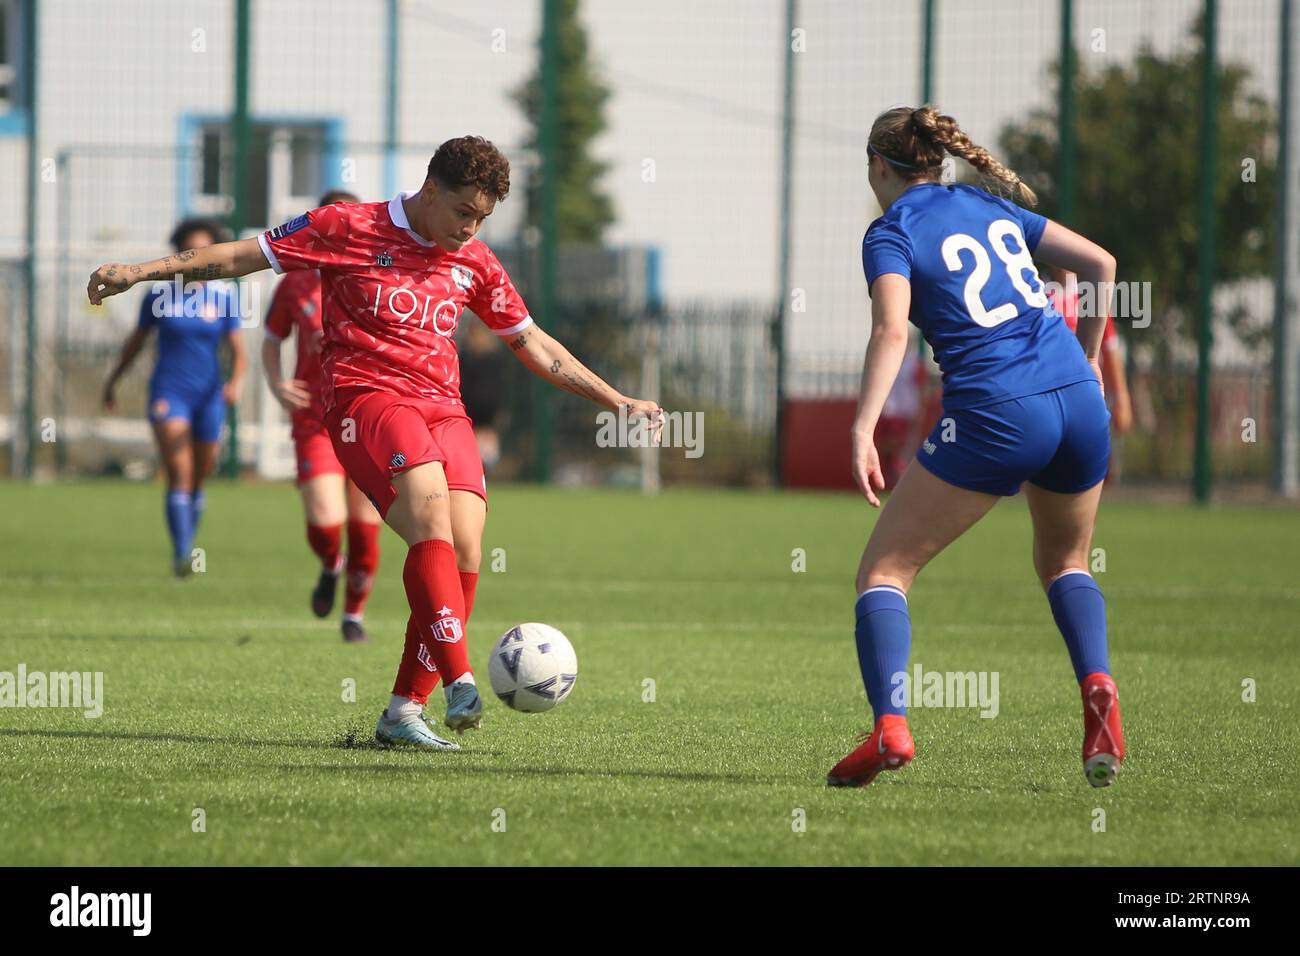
[520,342]
[555,366]
[579,384]
[210,271]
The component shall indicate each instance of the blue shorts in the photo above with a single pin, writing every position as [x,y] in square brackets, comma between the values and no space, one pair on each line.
[205,415]
[1058,440]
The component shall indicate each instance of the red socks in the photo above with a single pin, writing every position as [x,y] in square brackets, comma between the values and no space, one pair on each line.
[468,584]
[363,561]
[435,634]
[324,541]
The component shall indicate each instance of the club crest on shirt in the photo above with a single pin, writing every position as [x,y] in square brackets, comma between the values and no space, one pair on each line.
[397,461]
[383,259]
[462,277]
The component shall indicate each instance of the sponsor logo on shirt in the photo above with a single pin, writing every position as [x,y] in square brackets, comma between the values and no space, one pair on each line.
[290,227]
[929,446]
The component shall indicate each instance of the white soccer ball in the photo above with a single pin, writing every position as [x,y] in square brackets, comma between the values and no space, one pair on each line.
[533,667]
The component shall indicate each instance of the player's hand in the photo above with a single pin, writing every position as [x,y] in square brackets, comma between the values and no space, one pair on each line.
[866,467]
[292,394]
[230,392]
[109,279]
[109,400]
[1095,365]
[638,408]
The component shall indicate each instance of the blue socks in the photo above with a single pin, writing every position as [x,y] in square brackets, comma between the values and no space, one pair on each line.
[884,635]
[1080,613]
[196,510]
[180,523]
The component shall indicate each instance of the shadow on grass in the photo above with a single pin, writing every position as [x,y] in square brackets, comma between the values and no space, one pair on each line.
[352,740]
[346,741]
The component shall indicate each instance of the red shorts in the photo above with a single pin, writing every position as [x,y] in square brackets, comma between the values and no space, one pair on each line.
[313,449]
[377,436]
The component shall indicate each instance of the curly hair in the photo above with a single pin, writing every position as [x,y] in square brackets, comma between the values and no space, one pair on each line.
[914,142]
[471,161]
[215,228]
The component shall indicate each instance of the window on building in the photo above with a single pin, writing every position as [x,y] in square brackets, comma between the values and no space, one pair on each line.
[285,169]
[10,54]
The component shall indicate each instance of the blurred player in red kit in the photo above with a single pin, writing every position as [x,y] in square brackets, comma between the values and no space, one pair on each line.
[329,497]
[396,277]
[902,419]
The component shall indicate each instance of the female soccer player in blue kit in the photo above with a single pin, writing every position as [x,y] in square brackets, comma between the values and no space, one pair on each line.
[1022,404]
[187,398]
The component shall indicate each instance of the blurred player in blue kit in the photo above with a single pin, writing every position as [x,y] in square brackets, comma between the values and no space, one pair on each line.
[187,396]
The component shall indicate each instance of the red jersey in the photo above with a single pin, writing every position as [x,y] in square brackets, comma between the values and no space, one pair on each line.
[296,308]
[391,299]
[1067,303]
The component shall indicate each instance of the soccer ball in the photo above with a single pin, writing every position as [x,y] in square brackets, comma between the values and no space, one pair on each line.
[533,667]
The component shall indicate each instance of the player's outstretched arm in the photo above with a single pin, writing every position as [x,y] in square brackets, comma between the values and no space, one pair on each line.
[224,260]
[544,356]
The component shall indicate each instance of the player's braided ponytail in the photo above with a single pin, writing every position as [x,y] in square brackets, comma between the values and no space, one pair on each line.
[914,141]
[943,131]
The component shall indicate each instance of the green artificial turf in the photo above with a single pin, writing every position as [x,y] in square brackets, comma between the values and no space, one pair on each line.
[222,693]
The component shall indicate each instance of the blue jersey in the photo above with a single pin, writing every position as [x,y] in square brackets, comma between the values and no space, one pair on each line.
[189,335]
[976,295]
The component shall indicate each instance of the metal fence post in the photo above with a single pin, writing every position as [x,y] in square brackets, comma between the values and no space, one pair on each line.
[1205,257]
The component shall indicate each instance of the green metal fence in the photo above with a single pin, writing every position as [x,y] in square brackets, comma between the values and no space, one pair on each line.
[735,153]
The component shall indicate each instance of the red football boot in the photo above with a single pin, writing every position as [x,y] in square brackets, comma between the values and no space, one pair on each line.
[1103,737]
[888,747]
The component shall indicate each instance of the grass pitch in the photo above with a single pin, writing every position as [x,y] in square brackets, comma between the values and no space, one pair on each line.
[223,694]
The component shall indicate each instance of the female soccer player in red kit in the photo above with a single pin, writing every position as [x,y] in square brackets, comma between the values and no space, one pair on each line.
[395,278]
[329,497]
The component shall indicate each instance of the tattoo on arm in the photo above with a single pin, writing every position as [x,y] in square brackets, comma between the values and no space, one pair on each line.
[579,384]
[520,342]
[555,367]
[210,271]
